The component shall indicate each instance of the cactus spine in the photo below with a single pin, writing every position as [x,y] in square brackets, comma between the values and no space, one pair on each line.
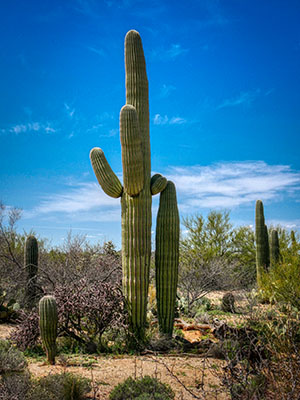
[167,257]
[31,265]
[137,190]
[48,326]
[262,241]
[275,249]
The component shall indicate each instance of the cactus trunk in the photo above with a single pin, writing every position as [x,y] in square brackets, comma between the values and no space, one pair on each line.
[48,326]
[262,241]
[167,258]
[31,265]
[138,188]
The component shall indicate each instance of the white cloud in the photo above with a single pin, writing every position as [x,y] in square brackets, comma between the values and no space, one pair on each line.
[285,224]
[164,120]
[177,120]
[227,185]
[221,185]
[81,202]
[95,50]
[175,50]
[171,53]
[69,110]
[245,98]
[29,127]
[166,90]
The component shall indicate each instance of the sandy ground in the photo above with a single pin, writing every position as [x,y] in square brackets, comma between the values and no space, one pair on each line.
[197,374]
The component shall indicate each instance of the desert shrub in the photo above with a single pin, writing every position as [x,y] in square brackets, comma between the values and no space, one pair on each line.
[14,375]
[11,359]
[85,312]
[282,283]
[27,333]
[228,301]
[263,357]
[142,389]
[64,386]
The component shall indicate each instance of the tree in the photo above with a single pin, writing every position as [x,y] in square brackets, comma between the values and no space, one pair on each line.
[207,239]
[214,255]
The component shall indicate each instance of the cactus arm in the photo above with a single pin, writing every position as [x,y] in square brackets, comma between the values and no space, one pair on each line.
[107,179]
[158,183]
[167,257]
[132,156]
[48,326]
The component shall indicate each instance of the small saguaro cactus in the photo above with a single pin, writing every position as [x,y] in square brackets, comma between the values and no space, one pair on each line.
[275,249]
[48,326]
[262,241]
[167,258]
[138,187]
[31,256]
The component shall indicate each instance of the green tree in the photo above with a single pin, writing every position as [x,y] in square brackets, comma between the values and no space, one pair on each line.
[207,239]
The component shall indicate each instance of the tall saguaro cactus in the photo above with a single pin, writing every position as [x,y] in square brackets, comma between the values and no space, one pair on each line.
[262,241]
[138,186]
[274,247]
[48,326]
[167,257]
[31,265]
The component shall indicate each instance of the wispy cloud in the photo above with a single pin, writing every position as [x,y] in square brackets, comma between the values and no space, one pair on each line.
[69,110]
[244,98]
[176,50]
[221,185]
[295,224]
[85,7]
[170,53]
[166,90]
[95,50]
[228,185]
[29,127]
[80,201]
[165,120]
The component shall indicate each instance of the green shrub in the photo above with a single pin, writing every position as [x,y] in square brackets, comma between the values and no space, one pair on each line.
[142,389]
[282,283]
[14,375]
[65,386]
[11,359]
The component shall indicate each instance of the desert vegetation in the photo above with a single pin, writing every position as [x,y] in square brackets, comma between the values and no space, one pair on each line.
[214,312]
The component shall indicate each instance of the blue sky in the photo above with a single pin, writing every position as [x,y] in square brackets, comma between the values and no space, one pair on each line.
[224,106]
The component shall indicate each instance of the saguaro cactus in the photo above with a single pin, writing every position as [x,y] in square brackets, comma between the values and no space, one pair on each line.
[48,326]
[137,186]
[167,257]
[275,249]
[31,265]
[262,241]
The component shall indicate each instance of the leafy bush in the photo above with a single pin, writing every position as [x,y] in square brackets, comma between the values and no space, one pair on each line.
[64,386]
[282,283]
[142,389]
